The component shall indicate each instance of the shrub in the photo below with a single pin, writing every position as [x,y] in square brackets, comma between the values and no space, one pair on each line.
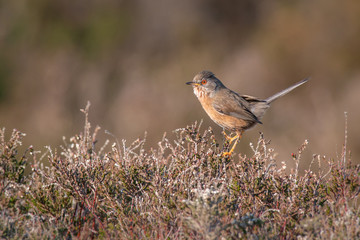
[183,189]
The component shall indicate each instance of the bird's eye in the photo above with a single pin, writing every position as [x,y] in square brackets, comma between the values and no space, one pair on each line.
[203,82]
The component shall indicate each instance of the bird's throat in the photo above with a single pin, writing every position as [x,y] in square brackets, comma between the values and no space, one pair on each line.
[199,93]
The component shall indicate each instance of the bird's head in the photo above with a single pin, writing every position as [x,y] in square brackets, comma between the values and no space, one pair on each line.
[205,84]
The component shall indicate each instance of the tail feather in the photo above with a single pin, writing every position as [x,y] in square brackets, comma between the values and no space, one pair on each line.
[285,91]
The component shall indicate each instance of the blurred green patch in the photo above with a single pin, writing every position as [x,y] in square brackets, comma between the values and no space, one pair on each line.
[92,30]
[104,32]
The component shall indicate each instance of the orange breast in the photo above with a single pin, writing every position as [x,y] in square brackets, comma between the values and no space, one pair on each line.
[229,122]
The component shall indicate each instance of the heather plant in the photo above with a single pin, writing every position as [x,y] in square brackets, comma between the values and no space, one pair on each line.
[182,189]
[15,211]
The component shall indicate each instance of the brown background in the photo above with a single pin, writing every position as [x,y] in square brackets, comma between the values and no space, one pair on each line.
[131,60]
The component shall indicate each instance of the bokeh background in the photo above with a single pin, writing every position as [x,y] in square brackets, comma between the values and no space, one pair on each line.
[131,60]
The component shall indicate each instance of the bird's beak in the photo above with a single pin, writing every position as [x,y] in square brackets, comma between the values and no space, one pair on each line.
[193,83]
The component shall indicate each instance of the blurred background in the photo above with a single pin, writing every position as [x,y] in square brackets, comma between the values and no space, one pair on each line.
[131,60]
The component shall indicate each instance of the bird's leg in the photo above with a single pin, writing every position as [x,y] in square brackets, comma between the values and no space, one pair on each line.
[237,137]
[229,137]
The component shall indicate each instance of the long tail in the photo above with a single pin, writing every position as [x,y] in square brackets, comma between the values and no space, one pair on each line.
[285,91]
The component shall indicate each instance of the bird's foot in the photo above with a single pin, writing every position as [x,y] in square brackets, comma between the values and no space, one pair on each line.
[226,154]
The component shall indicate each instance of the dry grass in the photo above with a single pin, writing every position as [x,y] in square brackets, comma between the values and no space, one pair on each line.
[181,190]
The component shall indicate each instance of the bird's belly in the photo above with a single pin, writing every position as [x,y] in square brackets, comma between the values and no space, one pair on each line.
[229,122]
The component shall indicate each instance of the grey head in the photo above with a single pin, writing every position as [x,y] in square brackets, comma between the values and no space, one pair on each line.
[205,83]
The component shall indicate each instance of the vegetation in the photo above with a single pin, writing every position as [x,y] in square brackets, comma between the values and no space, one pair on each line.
[183,189]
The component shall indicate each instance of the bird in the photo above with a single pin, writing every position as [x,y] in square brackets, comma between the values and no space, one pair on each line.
[230,110]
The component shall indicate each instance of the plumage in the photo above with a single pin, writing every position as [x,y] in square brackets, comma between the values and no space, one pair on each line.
[230,103]
[229,109]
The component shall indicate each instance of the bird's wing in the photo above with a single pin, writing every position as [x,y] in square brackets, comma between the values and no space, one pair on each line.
[251,99]
[230,103]
[256,105]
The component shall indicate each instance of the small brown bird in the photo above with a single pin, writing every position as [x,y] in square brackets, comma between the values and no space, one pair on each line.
[230,110]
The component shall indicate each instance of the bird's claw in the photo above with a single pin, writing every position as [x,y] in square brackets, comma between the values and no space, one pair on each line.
[226,154]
